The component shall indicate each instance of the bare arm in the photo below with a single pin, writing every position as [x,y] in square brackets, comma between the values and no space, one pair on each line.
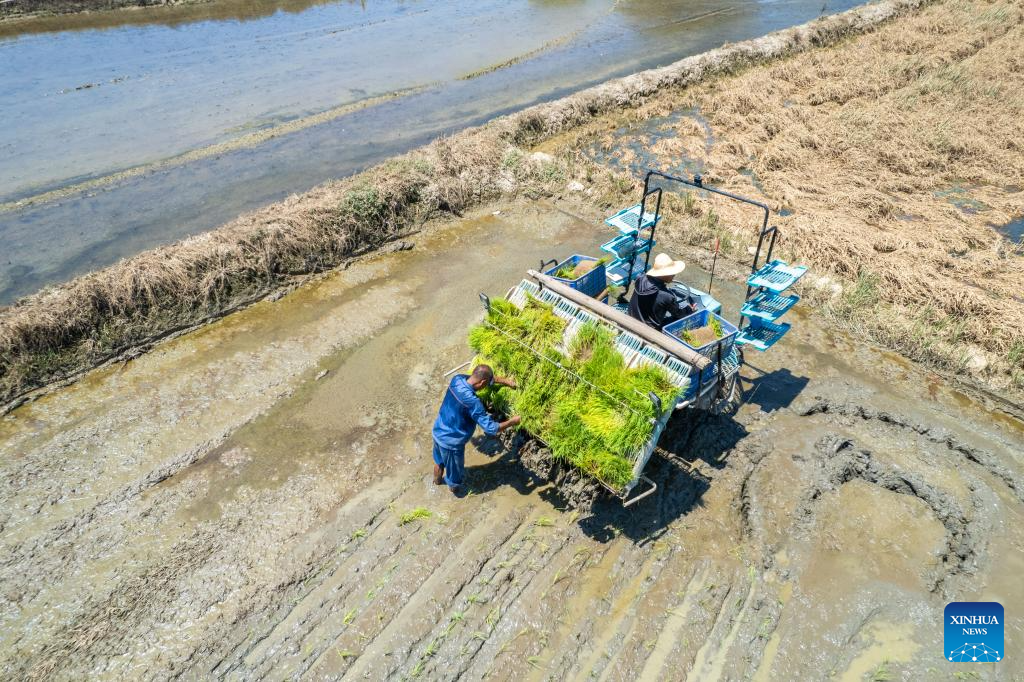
[505,381]
[508,423]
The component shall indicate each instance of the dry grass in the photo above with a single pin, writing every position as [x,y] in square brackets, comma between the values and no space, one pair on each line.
[64,330]
[857,139]
[20,8]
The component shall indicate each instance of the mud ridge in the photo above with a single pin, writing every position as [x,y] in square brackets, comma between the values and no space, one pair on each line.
[985,460]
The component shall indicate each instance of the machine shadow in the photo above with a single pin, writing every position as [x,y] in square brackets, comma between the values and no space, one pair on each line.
[690,437]
[774,390]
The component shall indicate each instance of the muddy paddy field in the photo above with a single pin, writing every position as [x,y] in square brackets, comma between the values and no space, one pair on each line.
[231,504]
[252,499]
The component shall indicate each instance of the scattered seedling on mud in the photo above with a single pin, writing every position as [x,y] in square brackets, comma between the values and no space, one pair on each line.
[492,618]
[534,662]
[881,673]
[414,515]
[479,635]
[349,617]
[418,669]
[431,648]
[345,654]
[361,533]
[544,522]
[475,599]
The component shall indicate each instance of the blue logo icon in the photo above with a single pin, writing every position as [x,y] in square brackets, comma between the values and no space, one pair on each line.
[973,632]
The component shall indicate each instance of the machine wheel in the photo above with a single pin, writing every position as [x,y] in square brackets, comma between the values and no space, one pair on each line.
[729,397]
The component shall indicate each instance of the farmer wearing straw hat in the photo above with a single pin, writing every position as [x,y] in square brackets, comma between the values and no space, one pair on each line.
[458,417]
[652,302]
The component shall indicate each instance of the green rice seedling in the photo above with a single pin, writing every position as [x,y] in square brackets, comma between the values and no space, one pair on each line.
[716,326]
[596,414]
[566,272]
[414,515]
[544,522]
[349,617]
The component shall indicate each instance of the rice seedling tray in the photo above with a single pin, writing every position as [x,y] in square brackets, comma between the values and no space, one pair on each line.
[762,335]
[626,245]
[627,221]
[777,276]
[768,306]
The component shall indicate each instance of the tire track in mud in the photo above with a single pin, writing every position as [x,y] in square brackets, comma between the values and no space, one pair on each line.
[986,460]
[840,461]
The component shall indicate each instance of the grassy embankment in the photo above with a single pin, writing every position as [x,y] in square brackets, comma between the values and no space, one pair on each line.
[34,8]
[60,332]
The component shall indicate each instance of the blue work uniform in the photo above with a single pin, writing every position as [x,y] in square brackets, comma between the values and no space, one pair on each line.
[460,412]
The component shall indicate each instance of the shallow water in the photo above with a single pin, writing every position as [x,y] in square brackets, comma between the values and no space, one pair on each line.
[86,101]
[1013,230]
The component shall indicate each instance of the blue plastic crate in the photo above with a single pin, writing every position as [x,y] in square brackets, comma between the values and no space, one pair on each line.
[710,350]
[591,283]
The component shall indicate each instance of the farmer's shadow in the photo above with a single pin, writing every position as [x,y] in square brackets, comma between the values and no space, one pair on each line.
[503,467]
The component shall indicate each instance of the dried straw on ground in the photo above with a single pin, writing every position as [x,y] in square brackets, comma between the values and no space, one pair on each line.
[865,141]
[66,329]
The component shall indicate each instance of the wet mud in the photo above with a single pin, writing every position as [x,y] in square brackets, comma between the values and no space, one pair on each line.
[231,504]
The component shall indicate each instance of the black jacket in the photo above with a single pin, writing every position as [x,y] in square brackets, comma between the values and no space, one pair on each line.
[654,305]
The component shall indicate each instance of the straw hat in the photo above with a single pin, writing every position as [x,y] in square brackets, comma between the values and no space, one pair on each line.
[665,266]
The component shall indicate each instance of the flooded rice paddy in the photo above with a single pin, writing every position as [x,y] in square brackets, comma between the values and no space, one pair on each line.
[125,134]
[230,504]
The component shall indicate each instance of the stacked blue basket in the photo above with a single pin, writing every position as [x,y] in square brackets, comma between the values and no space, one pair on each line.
[591,283]
[710,350]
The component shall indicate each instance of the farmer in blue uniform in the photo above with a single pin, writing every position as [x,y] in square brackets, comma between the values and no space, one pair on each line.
[460,412]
